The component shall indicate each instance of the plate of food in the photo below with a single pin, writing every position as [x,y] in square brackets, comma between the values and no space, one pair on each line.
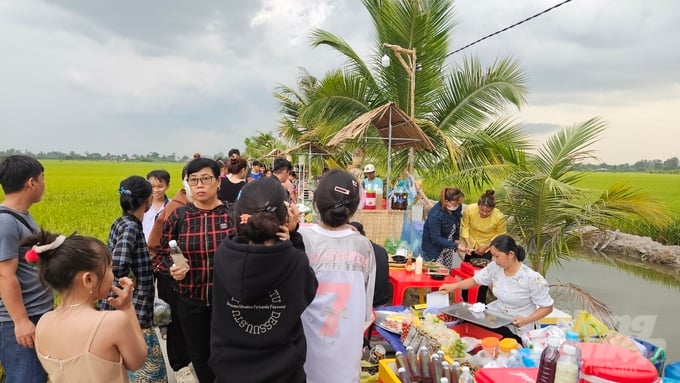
[390,321]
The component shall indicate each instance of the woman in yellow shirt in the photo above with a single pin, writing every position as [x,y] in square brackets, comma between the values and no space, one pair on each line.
[480,224]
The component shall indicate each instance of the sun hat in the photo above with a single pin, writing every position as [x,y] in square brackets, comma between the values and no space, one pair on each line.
[369,168]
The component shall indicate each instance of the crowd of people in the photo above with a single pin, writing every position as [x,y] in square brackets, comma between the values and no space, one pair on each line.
[258,298]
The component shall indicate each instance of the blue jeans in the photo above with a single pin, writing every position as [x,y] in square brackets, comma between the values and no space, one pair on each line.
[21,364]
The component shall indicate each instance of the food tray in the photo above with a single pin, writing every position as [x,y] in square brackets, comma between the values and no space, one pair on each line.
[488,318]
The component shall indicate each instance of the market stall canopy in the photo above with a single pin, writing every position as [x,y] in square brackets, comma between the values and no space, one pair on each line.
[404,132]
[274,153]
[307,148]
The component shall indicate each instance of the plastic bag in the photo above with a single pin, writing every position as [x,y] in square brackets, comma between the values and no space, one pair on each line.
[161,313]
[411,235]
[538,338]
[588,327]
[624,341]
[391,244]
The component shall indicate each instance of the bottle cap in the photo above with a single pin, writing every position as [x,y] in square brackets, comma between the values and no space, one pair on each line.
[572,335]
[172,243]
[466,369]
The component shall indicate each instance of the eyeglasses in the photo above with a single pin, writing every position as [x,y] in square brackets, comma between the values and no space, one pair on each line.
[193,181]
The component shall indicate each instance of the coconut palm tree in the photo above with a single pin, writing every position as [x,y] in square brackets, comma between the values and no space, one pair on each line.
[456,106]
[258,146]
[546,207]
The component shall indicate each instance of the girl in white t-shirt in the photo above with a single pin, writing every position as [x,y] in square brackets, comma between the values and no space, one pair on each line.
[344,264]
[521,292]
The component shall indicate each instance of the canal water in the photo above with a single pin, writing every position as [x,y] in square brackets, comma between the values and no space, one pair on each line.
[644,299]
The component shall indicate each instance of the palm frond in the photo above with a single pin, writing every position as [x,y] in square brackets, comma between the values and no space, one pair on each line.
[584,300]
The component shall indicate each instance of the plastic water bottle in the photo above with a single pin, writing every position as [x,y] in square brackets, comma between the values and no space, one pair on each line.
[573,339]
[419,264]
[567,365]
[548,364]
[515,361]
[465,376]
[177,255]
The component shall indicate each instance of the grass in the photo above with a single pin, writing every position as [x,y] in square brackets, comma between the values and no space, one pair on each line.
[83,196]
[660,186]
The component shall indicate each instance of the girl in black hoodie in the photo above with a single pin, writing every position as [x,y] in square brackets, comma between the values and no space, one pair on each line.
[262,285]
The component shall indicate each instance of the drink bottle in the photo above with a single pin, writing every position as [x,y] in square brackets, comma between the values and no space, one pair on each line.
[465,376]
[177,255]
[548,363]
[567,365]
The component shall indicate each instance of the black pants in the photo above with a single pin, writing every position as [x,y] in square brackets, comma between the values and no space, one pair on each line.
[195,319]
[176,347]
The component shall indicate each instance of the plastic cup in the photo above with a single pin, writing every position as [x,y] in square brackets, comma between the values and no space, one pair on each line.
[490,345]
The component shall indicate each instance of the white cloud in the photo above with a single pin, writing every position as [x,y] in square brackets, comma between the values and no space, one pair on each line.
[172,76]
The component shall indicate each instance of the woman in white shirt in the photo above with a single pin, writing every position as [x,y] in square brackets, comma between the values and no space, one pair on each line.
[521,292]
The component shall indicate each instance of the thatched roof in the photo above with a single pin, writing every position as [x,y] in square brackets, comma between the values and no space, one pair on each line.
[404,132]
[276,152]
[306,148]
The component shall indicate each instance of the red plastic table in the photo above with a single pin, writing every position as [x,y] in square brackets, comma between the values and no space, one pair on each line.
[402,280]
[465,271]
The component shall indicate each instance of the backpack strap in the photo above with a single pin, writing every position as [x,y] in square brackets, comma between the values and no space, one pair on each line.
[18,218]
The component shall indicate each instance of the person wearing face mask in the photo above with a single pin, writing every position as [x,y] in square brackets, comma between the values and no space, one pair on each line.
[441,231]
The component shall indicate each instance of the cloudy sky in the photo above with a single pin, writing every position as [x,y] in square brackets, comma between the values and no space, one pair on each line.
[186,76]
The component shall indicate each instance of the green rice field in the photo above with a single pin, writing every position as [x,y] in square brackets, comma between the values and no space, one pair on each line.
[664,187]
[82,196]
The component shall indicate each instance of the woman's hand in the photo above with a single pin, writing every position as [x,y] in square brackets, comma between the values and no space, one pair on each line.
[519,321]
[293,217]
[123,298]
[283,234]
[447,288]
[178,273]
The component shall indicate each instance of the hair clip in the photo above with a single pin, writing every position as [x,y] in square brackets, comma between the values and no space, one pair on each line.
[244,218]
[123,190]
[340,203]
[341,190]
[31,255]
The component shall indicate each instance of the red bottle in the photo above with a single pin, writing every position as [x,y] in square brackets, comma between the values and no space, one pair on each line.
[548,364]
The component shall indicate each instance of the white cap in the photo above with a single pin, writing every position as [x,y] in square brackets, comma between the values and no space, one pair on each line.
[369,168]
[172,243]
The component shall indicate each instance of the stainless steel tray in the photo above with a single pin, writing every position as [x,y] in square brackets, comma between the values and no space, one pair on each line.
[488,318]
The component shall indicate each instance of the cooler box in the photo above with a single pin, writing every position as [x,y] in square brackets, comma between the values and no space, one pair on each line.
[672,371]
[506,375]
[604,363]
[474,331]
[556,317]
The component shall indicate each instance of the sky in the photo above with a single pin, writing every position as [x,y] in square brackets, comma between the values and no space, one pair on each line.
[181,77]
